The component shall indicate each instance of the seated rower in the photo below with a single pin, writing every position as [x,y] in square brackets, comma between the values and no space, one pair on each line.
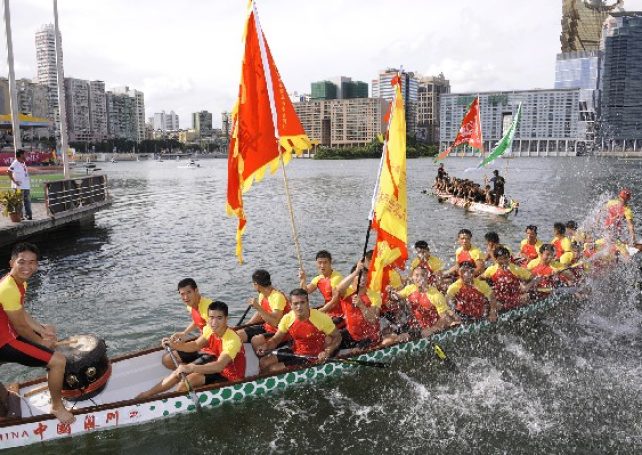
[389,308]
[424,259]
[270,307]
[507,280]
[472,298]
[572,231]
[572,261]
[326,282]
[428,306]
[196,305]
[529,247]
[467,252]
[314,336]
[225,360]
[361,308]
[492,242]
[546,271]
[560,241]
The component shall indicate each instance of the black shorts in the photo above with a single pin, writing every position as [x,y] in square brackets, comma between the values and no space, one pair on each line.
[254,330]
[214,377]
[287,359]
[347,342]
[197,358]
[26,353]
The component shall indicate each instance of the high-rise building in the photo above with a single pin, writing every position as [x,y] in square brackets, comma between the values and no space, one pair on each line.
[46,73]
[121,116]
[166,122]
[553,122]
[582,23]
[323,90]
[5,104]
[98,110]
[202,123]
[382,88]
[33,98]
[342,123]
[139,107]
[428,92]
[577,69]
[77,105]
[620,85]
[338,88]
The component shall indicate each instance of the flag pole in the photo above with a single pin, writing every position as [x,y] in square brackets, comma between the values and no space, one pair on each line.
[270,90]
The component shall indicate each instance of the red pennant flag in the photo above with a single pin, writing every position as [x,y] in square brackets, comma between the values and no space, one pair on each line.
[470,131]
[255,143]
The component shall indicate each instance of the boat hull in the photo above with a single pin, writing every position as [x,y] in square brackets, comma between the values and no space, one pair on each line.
[476,206]
[124,413]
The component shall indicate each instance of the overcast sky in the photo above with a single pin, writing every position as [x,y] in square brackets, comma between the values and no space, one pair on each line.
[186,56]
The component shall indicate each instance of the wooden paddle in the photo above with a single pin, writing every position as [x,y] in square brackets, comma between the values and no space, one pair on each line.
[247,310]
[190,391]
[363,363]
[442,356]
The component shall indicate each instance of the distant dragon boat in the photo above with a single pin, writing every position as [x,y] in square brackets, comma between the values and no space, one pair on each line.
[114,406]
[505,207]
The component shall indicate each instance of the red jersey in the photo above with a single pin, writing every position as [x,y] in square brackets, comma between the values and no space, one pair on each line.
[357,325]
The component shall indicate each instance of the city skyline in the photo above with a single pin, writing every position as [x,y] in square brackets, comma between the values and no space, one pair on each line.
[474,45]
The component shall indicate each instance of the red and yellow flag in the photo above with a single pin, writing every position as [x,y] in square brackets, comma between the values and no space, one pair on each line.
[470,131]
[391,207]
[255,142]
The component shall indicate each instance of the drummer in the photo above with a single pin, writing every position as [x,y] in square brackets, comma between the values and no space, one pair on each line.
[23,340]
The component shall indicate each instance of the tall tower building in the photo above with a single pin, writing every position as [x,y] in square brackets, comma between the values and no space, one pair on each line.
[77,104]
[382,88]
[428,94]
[202,123]
[98,110]
[46,73]
[582,23]
[139,107]
[619,84]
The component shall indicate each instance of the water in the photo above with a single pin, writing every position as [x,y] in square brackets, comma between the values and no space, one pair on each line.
[567,381]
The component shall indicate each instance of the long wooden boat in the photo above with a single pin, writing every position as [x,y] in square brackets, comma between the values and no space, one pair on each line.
[478,207]
[134,373]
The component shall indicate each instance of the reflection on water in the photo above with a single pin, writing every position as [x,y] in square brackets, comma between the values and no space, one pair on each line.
[566,379]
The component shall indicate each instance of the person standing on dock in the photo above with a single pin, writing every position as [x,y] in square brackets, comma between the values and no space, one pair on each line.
[23,340]
[19,175]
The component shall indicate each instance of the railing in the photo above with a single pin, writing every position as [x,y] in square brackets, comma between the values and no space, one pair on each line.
[65,195]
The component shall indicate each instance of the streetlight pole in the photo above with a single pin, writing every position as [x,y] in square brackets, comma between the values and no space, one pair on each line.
[13,100]
[61,94]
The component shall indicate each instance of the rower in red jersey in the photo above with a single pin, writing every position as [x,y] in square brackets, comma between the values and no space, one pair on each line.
[472,298]
[361,310]
[619,215]
[314,336]
[560,241]
[430,312]
[224,361]
[508,280]
[270,307]
[546,271]
[424,259]
[529,247]
[326,282]
[467,252]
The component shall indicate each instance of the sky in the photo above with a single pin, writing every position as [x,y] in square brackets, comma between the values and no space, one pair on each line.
[186,56]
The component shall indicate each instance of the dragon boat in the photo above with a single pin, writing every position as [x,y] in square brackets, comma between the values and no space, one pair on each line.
[133,373]
[507,207]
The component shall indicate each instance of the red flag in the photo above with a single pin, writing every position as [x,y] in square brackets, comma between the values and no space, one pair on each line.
[255,143]
[470,131]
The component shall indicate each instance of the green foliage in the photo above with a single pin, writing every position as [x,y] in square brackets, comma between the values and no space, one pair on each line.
[414,149]
[11,201]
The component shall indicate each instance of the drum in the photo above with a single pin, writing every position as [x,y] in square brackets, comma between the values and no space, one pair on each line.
[88,369]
